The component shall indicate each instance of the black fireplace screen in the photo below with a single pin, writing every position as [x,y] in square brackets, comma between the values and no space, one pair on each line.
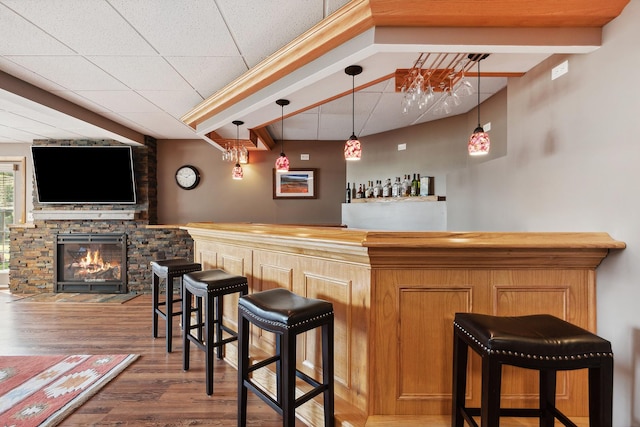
[93,263]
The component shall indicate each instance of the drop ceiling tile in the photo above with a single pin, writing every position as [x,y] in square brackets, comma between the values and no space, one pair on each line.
[131,124]
[298,127]
[90,27]
[80,100]
[208,74]
[13,42]
[120,101]
[141,72]
[335,127]
[202,30]
[162,125]
[272,24]
[70,72]
[174,102]
[388,115]
[24,74]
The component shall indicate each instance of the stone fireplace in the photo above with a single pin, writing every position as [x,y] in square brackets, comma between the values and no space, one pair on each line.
[35,250]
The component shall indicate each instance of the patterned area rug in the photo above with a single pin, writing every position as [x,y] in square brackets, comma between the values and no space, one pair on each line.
[43,390]
[78,298]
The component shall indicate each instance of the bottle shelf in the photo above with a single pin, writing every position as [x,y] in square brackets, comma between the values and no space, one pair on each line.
[400,199]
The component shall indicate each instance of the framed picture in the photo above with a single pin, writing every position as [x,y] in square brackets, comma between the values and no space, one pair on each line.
[295,184]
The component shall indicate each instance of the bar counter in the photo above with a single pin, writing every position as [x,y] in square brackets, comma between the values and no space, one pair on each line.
[395,295]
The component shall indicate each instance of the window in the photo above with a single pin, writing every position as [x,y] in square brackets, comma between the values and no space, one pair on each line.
[12,201]
[7,210]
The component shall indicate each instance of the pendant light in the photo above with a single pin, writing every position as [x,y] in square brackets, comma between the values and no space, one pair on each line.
[237,173]
[352,148]
[282,162]
[479,142]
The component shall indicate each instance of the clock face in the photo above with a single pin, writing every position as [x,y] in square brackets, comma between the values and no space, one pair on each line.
[187,177]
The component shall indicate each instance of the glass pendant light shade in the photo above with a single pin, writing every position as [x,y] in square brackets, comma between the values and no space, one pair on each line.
[282,162]
[353,148]
[238,173]
[479,142]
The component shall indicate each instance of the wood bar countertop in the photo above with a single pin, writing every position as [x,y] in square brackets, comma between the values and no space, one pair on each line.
[395,295]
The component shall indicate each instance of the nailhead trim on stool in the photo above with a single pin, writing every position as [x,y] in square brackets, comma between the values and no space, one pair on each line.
[287,315]
[208,286]
[168,270]
[541,342]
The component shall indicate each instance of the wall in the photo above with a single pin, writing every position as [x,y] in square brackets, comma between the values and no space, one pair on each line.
[222,199]
[433,148]
[572,165]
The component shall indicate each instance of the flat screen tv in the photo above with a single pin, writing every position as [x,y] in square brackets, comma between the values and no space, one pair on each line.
[84,174]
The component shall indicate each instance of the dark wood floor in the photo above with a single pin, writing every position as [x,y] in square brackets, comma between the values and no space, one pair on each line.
[154,391]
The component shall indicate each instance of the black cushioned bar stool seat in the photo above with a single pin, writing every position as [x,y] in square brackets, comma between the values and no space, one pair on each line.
[168,270]
[287,315]
[208,286]
[541,342]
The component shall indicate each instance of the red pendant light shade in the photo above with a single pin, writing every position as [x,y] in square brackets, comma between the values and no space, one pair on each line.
[479,142]
[352,148]
[282,162]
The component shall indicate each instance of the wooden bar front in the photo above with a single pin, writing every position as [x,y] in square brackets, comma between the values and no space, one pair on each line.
[395,295]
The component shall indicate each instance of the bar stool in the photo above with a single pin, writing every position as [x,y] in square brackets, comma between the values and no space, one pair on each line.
[541,342]
[287,315]
[167,270]
[208,286]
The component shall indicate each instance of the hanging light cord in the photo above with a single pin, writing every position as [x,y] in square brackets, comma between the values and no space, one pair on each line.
[353,104]
[478,92]
[282,129]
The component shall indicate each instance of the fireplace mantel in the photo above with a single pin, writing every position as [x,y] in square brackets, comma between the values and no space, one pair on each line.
[83,214]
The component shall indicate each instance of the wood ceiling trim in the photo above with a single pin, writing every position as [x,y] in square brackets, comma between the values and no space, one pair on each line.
[495,13]
[249,144]
[340,27]
[263,135]
[360,15]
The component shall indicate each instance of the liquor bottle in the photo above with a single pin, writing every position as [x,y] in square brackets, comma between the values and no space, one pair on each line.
[348,193]
[418,186]
[386,190]
[414,186]
[377,189]
[406,186]
[369,192]
[354,191]
[360,193]
[395,188]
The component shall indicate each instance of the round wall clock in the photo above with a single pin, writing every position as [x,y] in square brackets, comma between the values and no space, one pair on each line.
[187,177]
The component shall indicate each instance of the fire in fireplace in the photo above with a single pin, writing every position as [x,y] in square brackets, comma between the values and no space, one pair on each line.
[94,263]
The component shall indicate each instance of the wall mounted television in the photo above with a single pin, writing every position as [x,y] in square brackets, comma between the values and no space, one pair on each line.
[84,174]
